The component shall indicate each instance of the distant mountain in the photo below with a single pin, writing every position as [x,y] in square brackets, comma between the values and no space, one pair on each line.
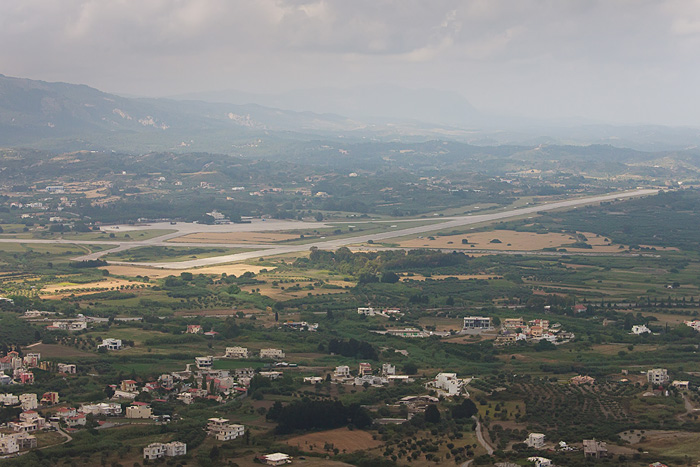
[381,103]
[68,117]
[32,112]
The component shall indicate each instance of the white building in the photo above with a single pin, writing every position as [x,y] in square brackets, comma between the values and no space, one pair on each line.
[448,384]
[367,311]
[388,369]
[236,352]
[271,374]
[681,384]
[477,322]
[66,368]
[204,362]
[313,379]
[8,444]
[342,371]
[640,329]
[110,344]
[139,410]
[229,432]
[658,376]
[29,401]
[157,450]
[540,461]
[276,458]
[9,399]
[154,451]
[535,440]
[271,353]
[104,408]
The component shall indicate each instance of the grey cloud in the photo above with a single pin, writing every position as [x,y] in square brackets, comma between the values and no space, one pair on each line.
[595,58]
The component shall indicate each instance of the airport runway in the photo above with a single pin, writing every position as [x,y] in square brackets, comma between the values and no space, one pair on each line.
[264,250]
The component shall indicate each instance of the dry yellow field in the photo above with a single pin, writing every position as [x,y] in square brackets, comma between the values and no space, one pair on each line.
[341,438]
[133,271]
[510,240]
[59,288]
[234,237]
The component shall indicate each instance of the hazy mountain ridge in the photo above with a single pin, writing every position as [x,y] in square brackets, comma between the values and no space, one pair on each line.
[67,117]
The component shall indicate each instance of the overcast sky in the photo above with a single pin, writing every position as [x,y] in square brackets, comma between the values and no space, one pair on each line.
[631,61]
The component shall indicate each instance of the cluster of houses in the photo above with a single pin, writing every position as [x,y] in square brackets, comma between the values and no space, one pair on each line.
[516,329]
[19,368]
[242,352]
[364,376]
[386,313]
[592,448]
[16,369]
[300,326]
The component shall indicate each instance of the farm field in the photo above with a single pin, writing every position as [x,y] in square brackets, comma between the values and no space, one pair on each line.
[341,438]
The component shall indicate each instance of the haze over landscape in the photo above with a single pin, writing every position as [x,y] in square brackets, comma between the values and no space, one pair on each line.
[349,233]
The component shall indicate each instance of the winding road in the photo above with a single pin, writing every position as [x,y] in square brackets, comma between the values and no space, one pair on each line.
[265,250]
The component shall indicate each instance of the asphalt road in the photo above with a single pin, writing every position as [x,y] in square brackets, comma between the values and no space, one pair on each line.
[264,250]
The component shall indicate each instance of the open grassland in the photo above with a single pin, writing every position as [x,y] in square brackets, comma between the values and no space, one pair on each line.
[666,443]
[170,254]
[125,236]
[59,351]
[235,237]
